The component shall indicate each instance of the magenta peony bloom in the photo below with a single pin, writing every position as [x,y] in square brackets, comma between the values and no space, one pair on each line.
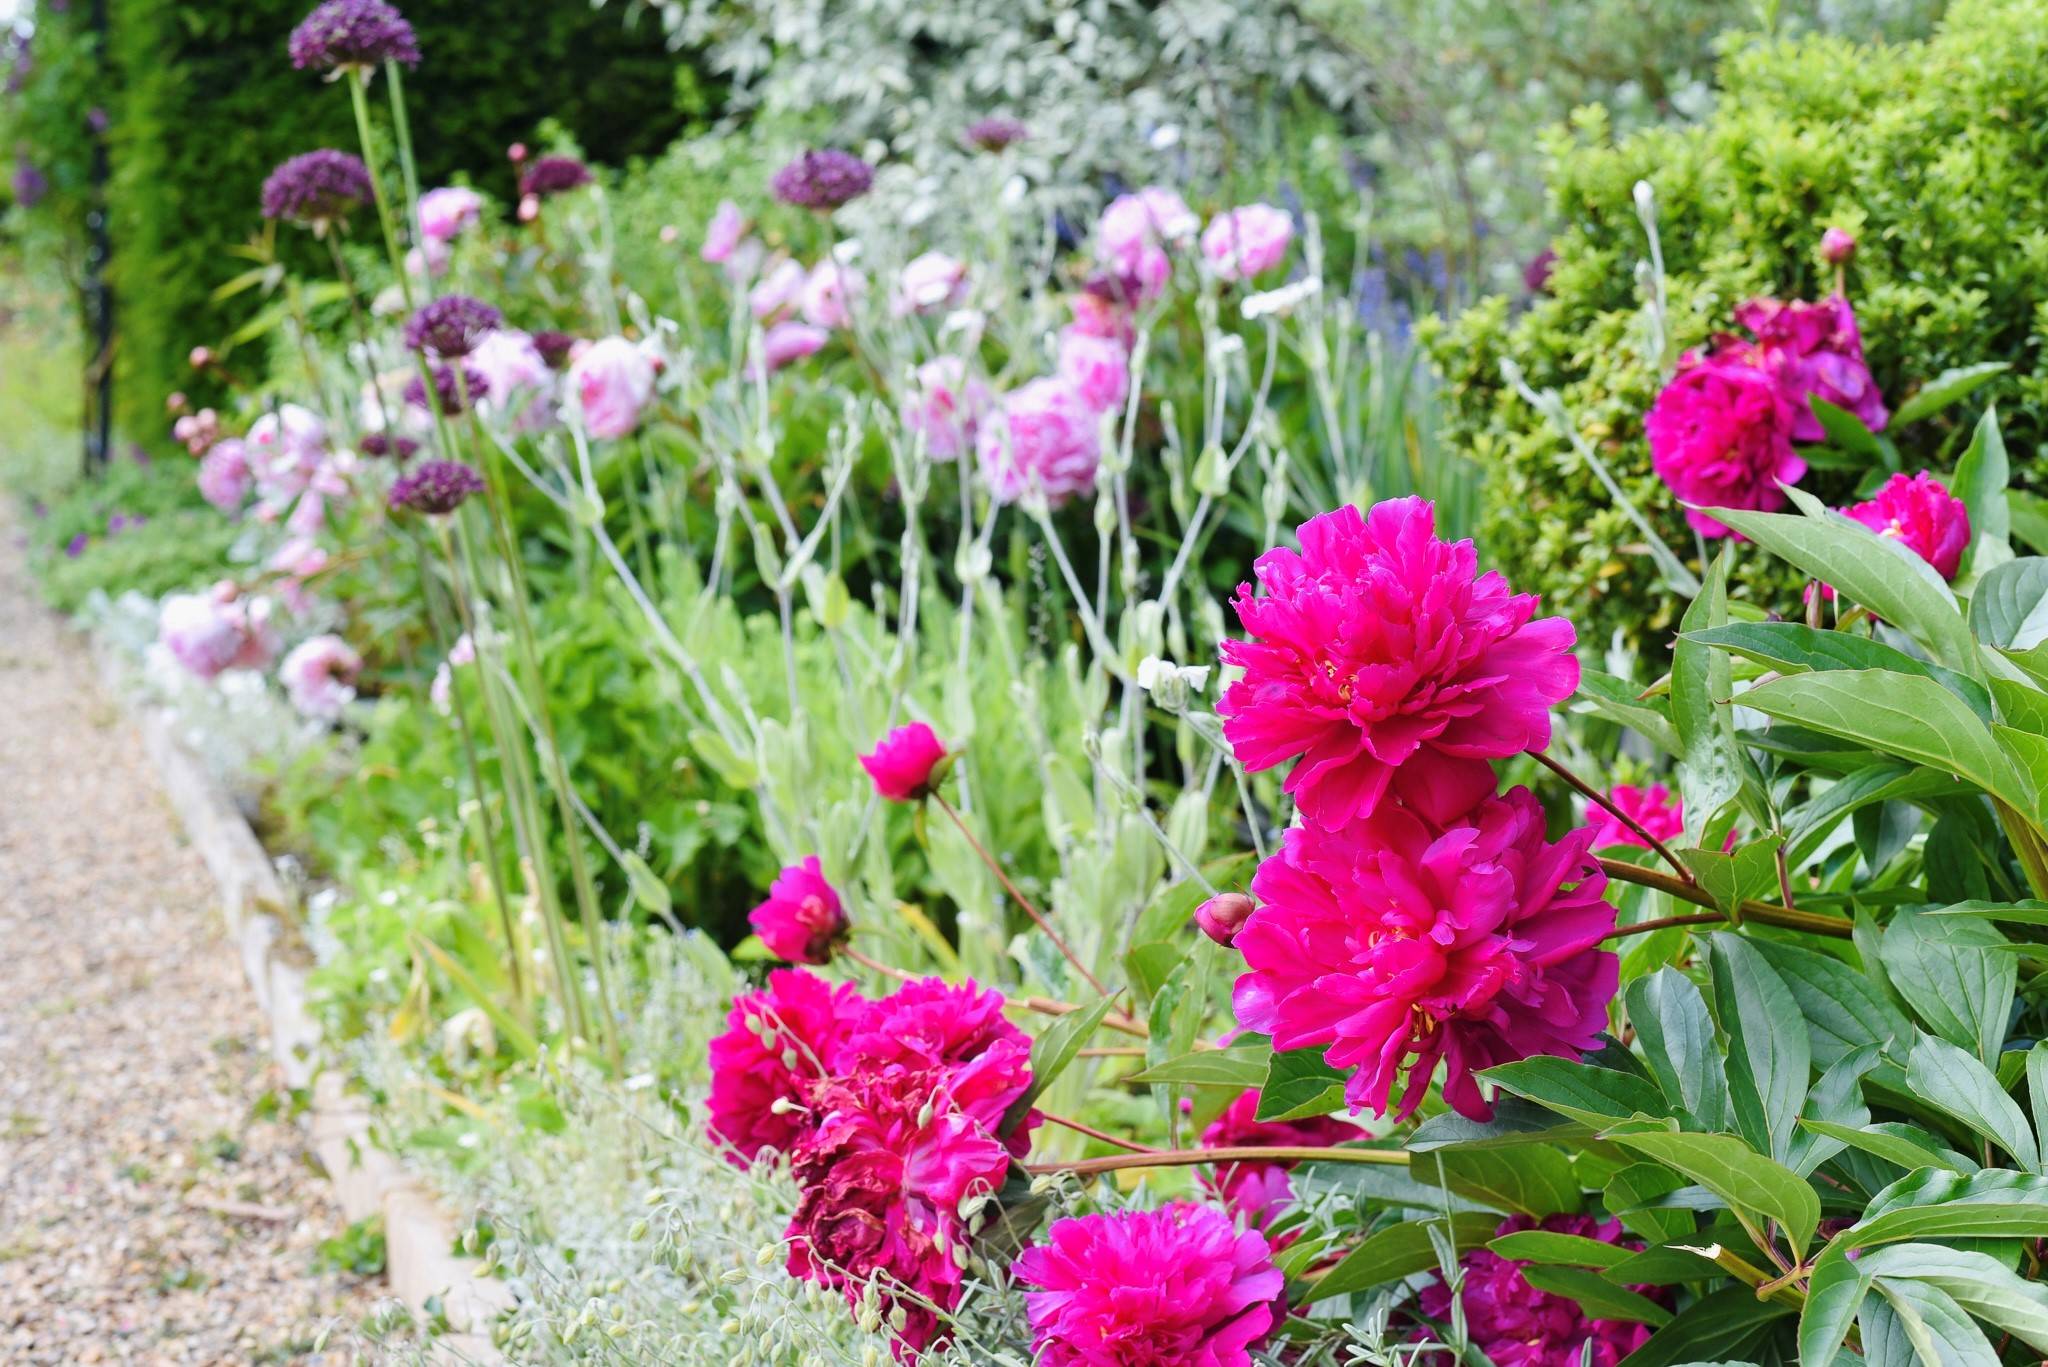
[547,176]
[1919,511]
[1177,1287]
[224,475]
[1261,1192]
[218,630]
[1837,246]
[319,676]
[436,487]
[830,292]
[613,382]
[946,404]
[1815,352]
[1397,944]
[788,342]
[1098,368]
[931,280]
[451,326]
[1248,241]
[1046,438]
[951,1036]
[822,180]
[902,763]
[722,234]
[340,34]
[780,1042]
[317,189]
[446,211]
[1222,916]
[1384,660]
[1655,808]
[1721,436]
[802,919]
[1516,1325]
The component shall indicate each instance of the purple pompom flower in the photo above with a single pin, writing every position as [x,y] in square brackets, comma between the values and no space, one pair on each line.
[996,132]
[379,444]
[554,347]
[553,176]
[317,189]
[823,180]
[438,487]
[343,34]
[451,326]
[449,392]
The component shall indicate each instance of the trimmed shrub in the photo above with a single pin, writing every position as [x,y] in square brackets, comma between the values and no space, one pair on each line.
[1931,153]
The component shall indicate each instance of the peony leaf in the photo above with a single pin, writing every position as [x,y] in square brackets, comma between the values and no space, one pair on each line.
[1672,1025]
[1548,1246]
[2010,606]
[1980,479]
[1932,1203]
[1941,1333]
[1902,1145]
[1730,1324]
[1533,1179]
[1794,646]
[1600,1298]
[1593,1096]
[1951,386]
[1844,1009]
[1710,763]
[1979,1283]
[1745,1179]
[1299,1085]
[1951,972]
[1398,1251]
[1515,1122]
[1960,1087]
[1230,1068]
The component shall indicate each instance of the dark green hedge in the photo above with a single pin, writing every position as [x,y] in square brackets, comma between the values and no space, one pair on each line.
[209,103]
[1934,153]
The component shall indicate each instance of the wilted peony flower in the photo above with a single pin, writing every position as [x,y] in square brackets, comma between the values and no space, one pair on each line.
[1261,1192]
[552,176]
[1097,367]
[1043,437]
[723,233]
[1655,808]
[613,381]
[1398,943]
[1222,916]
[436,487]
[317,189]
[1388,664]
[1516,1325]
[224,475]
[1815,352]
[802,920]
[451,326]
[446,211]
[319,676]
[340,34]
[830,291]
[1180,1285]
[996,132]
[791,341]
[450,392]
[945,403]
[931,280]
[902,762]
[1721,436]
[822,180]
[1247,241]
[1837,246]
[780,1042]
[1919,511]
[218,630]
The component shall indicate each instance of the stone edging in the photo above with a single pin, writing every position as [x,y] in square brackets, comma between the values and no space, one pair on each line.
[419,1237]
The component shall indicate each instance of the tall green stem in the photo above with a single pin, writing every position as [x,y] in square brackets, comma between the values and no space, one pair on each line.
[359,97]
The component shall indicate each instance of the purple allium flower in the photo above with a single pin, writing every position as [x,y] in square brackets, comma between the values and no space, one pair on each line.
[315,189]
[451,326]
[553,176]
[437,486]
[30,184]
[75,547]
[353,33]
[448,393]
[379,444]
[996,132]
[823,180]
[554,347]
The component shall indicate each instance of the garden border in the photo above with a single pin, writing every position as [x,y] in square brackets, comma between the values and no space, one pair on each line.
[419,1236]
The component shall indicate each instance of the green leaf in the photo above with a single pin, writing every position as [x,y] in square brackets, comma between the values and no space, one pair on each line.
[1709,763]
[1834,1293]
[1662,1265]
[1797,647]
[1837,1097]
[1229,1068]
[1942,1335]
[1732,879]
[1600,1298]
[1671,1024]
[1738,1175]
[1165,919]
[2029,513]
[1533,1179]
[1544,1246]
[1898,714]
[1980,479]
[1846,432]
[1617,700]
[1951,972]
[1631,1191]
[1398,1251]
[1979,1283]
[1951,386]
[1889,1142]
[1299,1085]
[1729,1325]
[1593,1096]
[1770,1062]
[1515,1122]
[1808,825]
[1930,1203]
[2009,607]
[1959,1086]
[1056,1046]
[1880,574]
[1844,1009]
[734,770]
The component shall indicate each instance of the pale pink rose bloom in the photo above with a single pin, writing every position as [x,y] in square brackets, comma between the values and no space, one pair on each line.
[787,342]
[933,280]
[831,291]
[722,235]
[319,676]
[1096,367]
[446,211]
[778,291]
[944,404]
[613,381]
[1247,241]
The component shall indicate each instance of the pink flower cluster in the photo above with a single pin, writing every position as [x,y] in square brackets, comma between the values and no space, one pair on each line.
[892,1113]
[1416,918]
[1516,1325]
[212,632]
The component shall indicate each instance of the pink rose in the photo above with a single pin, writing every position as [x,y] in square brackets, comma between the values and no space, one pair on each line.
[319,676]
[830,293]
[613,381]
[1044,437]
[1248,241]
[902,762]
[1721,436]
[1097,368]
[445,212]
[218,630]
[1133,234]
[224,475]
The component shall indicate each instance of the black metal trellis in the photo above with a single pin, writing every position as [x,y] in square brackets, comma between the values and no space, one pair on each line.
[99,292]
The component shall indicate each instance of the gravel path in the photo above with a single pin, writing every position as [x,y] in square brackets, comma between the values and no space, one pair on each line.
[155,1207]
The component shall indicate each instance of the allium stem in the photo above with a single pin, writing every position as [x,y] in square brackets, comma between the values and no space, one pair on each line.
[1037,916]
[1187,1158]
[1078,1128]
[1607,803]
[1764,913]
[360,99]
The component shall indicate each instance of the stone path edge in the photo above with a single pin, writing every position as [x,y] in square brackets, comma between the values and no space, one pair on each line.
[419,1236]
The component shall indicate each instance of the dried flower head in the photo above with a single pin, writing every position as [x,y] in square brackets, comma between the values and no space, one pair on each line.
[316,189]
[823,180]
[340,34]
[437,487]
[451,326]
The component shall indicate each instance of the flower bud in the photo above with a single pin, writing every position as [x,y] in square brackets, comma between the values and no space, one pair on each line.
[1836,246]
[1223,915]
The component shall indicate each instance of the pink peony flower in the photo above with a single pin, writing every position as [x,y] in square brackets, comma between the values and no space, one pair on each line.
[902,763]
[786,343]
[445,212]
[319,676]
[1655,808]
[1837,246]
[1721,436]
[1397,943]
[224,475]
[1097,367]
[285,449]
[1815,352]
[830,293]
[1100,312]
[613,381]
[517,377]
[1919,511]
[1384,660]
[1045,438]
[953,1037]
[778,292]
[212,632]
[778,1044]
[1248,241]
[723,233]
[930,281]
[1133,234]
[1261,1192]
[1177,1287]
[802,920]
[1516,1325]
[945,404]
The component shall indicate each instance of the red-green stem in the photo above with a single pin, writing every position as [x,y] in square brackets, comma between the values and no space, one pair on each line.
[1078,1128]
[1767,913]
[1607,803]
[1037,916]
[1187,1158]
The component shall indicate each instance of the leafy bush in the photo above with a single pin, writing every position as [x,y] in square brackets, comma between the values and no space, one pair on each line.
[1926,151]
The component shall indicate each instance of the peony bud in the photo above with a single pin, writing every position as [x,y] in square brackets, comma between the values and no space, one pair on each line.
[1836,246]
[201,357]
[1223,915]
